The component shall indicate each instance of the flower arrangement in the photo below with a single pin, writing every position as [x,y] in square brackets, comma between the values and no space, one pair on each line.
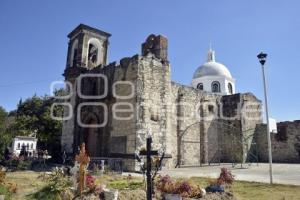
[184,188]
[226,177]
[92,186]
[218,185]
[90,182]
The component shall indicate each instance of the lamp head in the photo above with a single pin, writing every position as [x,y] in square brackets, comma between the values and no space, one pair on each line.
[262,57]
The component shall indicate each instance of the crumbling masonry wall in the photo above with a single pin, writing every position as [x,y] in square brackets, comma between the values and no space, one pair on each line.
[285,144]
[194,127]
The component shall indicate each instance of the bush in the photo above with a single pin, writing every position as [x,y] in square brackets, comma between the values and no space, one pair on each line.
[24,165]
[18,163]
[46,193]
[58,183]
[226,177]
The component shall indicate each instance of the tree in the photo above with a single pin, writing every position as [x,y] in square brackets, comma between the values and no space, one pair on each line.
[32,115]
[3,115]
[5,138]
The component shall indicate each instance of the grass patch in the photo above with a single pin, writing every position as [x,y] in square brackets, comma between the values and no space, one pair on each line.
[121,182]
[4,191]
[29,184]
[125,185]
[244,190]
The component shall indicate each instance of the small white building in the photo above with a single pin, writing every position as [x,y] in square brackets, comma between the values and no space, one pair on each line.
[213,77]
[29,142]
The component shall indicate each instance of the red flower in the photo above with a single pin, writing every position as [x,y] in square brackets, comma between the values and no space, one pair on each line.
[90,181]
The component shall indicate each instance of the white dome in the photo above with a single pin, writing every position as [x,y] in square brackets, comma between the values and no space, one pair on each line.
[212,68]
[213,77]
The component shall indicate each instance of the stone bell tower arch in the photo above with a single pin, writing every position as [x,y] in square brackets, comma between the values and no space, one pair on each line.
[87,47]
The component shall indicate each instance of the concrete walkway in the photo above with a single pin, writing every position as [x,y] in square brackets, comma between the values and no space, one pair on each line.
[282,173]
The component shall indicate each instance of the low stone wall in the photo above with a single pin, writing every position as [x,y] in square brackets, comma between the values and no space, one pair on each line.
[285,144]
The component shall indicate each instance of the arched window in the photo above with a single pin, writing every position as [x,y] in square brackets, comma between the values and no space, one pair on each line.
[200,86]
[215,86]
[74,54]
[94,51]
[230,90]
[19,146]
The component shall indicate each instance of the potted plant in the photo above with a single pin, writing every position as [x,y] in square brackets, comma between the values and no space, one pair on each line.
[168,188]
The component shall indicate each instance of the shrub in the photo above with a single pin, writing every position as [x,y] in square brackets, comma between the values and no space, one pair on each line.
[24,165]
[47,193]
[57,185]
[226,177]
[57,181]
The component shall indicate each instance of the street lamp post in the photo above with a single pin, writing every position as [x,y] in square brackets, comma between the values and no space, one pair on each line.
[262,59]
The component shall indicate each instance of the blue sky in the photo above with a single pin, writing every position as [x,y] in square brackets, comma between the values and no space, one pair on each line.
[33,41]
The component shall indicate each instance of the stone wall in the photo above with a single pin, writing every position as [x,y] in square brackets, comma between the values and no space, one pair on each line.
[285,144]
[240,115]
[153,103]
[212,128]
[121,95]
[194,127]
[184,125]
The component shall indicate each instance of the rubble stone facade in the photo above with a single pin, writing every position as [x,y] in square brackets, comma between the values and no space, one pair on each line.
[285,143]
[115,105]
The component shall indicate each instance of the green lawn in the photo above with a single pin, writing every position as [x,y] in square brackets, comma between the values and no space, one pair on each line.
[29,183]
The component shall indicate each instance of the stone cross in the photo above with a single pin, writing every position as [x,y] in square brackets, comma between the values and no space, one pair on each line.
[83,159]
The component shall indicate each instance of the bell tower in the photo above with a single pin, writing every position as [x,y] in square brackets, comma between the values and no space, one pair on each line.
[87,47]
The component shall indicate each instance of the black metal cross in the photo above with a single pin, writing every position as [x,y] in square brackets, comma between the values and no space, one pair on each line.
[148,153]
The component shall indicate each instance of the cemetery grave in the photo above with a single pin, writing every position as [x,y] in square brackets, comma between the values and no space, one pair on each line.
[78,183]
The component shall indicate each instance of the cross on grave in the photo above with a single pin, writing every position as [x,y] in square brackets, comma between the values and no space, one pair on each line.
[83,159]
[148,153]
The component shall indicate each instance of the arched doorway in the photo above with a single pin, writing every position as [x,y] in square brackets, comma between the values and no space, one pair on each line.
[91,138]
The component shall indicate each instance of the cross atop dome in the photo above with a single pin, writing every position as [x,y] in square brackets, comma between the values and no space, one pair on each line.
[211,55]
